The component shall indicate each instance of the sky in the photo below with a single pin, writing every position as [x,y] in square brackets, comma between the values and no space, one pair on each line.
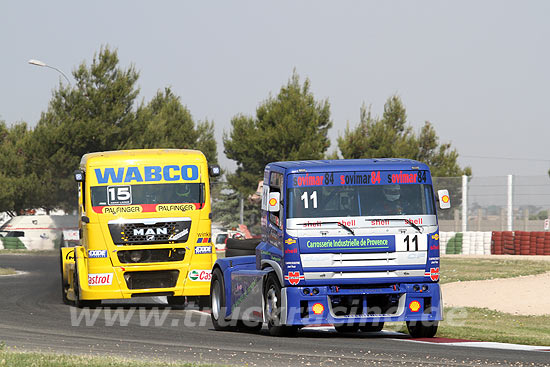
[477,70]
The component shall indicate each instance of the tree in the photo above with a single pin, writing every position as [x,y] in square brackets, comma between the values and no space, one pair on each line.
[98,114]
[18,184]
[391,136]
[226,208]
[290,126]
[166,123]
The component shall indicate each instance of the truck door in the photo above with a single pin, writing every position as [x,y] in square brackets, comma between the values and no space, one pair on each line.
[276,219]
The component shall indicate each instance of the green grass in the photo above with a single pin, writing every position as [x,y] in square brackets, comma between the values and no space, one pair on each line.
[464,269]
[482,324]
[30,252]
[7,271]
[13,358]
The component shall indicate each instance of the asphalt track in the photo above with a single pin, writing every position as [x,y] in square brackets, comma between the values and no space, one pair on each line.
[34,318]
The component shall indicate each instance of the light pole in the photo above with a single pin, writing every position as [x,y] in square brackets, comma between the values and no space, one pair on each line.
[43,64]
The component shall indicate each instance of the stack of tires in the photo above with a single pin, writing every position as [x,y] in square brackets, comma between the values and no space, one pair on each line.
[236,247]
[454,245]
[522,241]
[537,243]
[547,243]
[497,243]
[508,245]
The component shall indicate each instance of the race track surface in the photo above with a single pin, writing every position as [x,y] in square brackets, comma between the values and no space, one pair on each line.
[33,317]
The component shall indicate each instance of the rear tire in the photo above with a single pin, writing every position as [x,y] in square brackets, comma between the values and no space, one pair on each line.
[236,247]
[422,329]
[64,287]
[177,301]
[272,312]
[217,302]
[372,327]
[346,328]
[249,326]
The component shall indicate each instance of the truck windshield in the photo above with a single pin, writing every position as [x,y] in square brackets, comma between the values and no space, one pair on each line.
[161,193]
[360,200]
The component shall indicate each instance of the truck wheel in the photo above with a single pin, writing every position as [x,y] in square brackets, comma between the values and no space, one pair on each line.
[176,301]
[249,326]
[272,311]
[64,287]
[203,302]
[217,297]
[372,326]
[422,329]
[79,302]
[346,328]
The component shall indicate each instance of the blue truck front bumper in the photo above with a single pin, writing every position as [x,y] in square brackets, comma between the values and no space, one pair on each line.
[350,305]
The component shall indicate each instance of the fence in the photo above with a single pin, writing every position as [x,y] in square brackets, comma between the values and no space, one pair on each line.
[500,203]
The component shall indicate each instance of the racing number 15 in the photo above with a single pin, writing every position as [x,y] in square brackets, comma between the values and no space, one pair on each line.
[414,240]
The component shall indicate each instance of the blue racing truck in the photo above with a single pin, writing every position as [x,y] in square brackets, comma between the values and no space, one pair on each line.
[353,243]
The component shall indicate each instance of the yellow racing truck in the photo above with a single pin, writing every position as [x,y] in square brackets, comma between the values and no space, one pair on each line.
[145,228]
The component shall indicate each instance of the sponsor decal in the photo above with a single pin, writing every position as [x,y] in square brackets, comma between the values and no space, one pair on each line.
[150,231]
[100,279]
[435,237]
[290,241]
[147,174]
[294,277]
[291,251]
[433,274]
[95,254]
[445,199]
[200,275]
[179,235]
[175,207]
[273,202]
[414,306]
[351,243]
[203,249]
[307,180]
[122,209]
[203,240]
[434,247]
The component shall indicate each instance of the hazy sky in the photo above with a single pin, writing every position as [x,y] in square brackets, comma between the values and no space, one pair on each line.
[478,70]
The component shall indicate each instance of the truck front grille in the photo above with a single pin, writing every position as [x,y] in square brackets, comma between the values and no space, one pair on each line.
[149,231]
[151,279]
[150,256]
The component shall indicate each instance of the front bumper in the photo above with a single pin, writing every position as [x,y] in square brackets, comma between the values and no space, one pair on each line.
[335,305]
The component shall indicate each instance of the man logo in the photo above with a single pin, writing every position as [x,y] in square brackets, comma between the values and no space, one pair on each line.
[150,231]
[150,237]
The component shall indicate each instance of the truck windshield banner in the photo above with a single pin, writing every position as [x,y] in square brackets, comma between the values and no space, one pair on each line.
[359,178]
[362,243]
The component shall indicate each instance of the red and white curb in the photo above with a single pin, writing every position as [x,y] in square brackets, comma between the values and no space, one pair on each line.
[439,341]
[478,344]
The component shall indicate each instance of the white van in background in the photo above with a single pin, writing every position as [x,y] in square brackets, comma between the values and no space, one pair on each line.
[36,232]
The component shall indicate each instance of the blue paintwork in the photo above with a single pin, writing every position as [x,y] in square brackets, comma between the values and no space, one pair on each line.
[278,247]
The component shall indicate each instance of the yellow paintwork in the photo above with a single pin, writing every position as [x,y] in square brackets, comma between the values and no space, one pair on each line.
[95,235]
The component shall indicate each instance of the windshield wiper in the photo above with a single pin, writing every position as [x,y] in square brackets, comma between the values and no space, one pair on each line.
[339,223]
[403,219]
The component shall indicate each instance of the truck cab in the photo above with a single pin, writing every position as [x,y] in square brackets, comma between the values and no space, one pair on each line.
[353,243]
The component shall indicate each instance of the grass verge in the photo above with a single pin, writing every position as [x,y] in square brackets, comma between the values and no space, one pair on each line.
[24,359]
[7,271]
[465,269]
[482,324]
[30,252]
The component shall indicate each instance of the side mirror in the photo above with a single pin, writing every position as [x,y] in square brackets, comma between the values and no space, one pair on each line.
[273,204]
[444,199]
[79,175]
[214,170]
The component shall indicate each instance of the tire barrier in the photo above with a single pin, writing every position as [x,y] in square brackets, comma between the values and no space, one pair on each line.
[495,243]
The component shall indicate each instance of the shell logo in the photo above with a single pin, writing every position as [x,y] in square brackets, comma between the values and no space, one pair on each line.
[414,306]
[445,199]
[318,309]
[273,202]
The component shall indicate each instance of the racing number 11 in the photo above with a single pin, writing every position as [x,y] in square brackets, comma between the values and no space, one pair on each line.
[413,240]
[313,198]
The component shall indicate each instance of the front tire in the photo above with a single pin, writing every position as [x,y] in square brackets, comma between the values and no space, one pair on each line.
[177,301]
[80,303]
[217,302]
[272,312]
[422,329]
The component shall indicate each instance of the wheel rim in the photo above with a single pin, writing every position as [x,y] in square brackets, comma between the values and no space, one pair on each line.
[271,309]
[216,300]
